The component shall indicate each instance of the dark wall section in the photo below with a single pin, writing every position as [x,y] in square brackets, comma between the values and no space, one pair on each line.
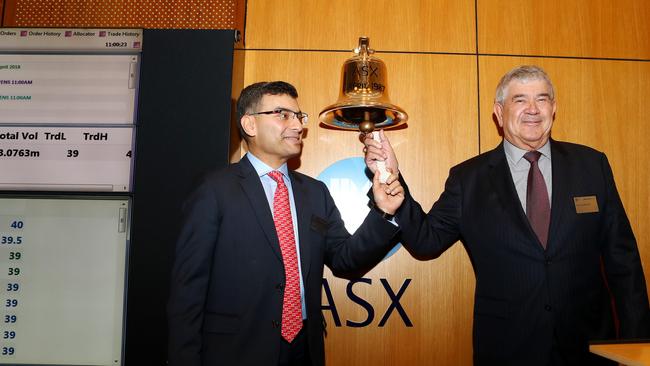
[183,131]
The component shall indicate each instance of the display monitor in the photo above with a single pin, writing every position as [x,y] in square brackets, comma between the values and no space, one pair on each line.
[62,280]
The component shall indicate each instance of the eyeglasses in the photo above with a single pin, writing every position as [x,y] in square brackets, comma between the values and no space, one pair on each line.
[284,114]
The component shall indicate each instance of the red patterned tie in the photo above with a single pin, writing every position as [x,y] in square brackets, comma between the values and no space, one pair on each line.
[538,208]
[291,307]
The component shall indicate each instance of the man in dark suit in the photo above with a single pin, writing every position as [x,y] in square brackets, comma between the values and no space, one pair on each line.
[248,267]
[549,240]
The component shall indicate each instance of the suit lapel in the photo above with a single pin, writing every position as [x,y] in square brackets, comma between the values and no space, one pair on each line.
[303,213]
[501,180]
[251,185]
[561,172]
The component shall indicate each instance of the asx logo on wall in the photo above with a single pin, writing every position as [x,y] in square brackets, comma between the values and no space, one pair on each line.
[349,181]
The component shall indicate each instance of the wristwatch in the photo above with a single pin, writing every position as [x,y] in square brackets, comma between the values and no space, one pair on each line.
[381,212]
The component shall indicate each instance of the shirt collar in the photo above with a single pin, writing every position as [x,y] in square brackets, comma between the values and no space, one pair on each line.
[515,154]
[263,169]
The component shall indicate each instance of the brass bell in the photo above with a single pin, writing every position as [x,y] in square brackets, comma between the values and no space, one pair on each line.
[363,102]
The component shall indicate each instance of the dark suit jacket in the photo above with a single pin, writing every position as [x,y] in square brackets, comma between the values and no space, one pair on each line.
[226,294]
[527,298]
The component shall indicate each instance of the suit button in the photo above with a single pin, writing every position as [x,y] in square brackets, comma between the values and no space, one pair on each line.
[547,307]
[275,323]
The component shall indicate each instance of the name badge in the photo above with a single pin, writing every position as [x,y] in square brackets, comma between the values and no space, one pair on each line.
[586,204]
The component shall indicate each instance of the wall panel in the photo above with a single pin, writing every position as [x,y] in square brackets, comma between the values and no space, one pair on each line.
[439,93]
[583,28]
[599,104]
[407,25]
[235,146]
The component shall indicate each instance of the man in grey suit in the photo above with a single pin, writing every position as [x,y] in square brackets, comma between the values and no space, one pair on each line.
[248,266]
[555,259]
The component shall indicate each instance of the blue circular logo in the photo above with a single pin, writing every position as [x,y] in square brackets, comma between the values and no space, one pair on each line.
[348,181]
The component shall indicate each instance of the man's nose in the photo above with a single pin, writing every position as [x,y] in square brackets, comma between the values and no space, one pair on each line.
[295,124]
[532,107]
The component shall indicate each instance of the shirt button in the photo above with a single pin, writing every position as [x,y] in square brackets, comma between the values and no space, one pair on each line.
[279,287]
[275,323]
[547,307]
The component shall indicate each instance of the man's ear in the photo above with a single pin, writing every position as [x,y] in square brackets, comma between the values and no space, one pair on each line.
[248,125]
[498,112]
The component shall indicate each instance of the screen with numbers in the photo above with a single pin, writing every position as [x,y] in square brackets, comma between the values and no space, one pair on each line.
[63,158]
[68,113]
[62,273]
[68,102]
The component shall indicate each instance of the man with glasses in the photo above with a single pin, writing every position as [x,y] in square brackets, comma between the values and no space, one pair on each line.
[248,267]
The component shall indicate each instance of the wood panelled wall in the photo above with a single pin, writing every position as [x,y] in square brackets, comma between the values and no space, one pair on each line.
[444,59]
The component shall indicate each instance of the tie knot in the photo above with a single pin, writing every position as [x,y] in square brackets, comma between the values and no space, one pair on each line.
[276,176]
[532,156]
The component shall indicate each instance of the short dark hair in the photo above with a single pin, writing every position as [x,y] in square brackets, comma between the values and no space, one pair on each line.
[252,95]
